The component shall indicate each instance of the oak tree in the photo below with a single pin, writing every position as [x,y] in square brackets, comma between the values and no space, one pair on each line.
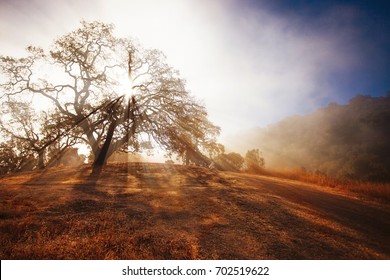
[115,94]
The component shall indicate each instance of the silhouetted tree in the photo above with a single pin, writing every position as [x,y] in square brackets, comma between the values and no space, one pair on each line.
[120,96]
[215,149]
[254,162]
[14,158]
[9,160]
[34,132]
[254,157]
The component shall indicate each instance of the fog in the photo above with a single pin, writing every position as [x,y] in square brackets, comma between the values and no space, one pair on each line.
[343,141]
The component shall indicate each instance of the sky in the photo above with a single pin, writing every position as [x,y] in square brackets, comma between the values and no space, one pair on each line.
[251,63]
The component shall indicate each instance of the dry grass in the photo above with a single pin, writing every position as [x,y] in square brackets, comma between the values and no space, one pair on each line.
[157,211]
[368,189]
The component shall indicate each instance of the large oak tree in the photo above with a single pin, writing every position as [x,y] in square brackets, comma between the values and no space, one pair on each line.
[114,93]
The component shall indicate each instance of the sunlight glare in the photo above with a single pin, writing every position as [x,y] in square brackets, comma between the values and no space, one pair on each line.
[130,90]
[125,88]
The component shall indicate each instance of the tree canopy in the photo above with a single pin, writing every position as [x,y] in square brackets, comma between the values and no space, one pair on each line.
[109,93]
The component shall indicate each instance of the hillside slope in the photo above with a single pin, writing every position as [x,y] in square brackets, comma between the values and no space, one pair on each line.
[160,211]
[344,141]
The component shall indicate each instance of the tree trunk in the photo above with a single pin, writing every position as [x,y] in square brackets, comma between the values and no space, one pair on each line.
[41,159]
[187,157]
[101,159]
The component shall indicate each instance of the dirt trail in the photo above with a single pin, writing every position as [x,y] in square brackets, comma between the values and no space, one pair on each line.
[157,211]
[344,224]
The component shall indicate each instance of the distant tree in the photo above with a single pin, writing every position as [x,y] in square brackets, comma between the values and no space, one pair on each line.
[118,94]
[215,149]
[13,158]
[70,157]
[34,132]
[229,162]
[9,160]
[62,152]
[254,157]
[254,162]
[235,159]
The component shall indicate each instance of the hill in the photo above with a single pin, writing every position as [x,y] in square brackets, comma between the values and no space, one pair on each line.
[349,141]
[162,211]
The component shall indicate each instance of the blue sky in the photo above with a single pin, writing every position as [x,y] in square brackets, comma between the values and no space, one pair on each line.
[250,62]
[370,22]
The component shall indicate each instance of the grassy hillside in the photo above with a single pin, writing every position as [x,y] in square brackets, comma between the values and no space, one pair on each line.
[161,211]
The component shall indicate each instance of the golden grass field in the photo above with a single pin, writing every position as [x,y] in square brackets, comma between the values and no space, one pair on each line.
[373,190]
[163,211]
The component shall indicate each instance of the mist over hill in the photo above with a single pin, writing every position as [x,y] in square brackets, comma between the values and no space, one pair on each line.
[344,141]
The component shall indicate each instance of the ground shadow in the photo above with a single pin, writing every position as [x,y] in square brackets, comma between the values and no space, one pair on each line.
[157,211]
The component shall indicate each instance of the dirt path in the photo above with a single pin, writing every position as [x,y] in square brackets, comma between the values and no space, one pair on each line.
[156,211]
[328,224]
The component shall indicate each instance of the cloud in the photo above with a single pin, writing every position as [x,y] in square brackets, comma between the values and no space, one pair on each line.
[264,67]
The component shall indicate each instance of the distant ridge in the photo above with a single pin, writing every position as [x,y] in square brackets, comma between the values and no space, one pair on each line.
[345,141]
